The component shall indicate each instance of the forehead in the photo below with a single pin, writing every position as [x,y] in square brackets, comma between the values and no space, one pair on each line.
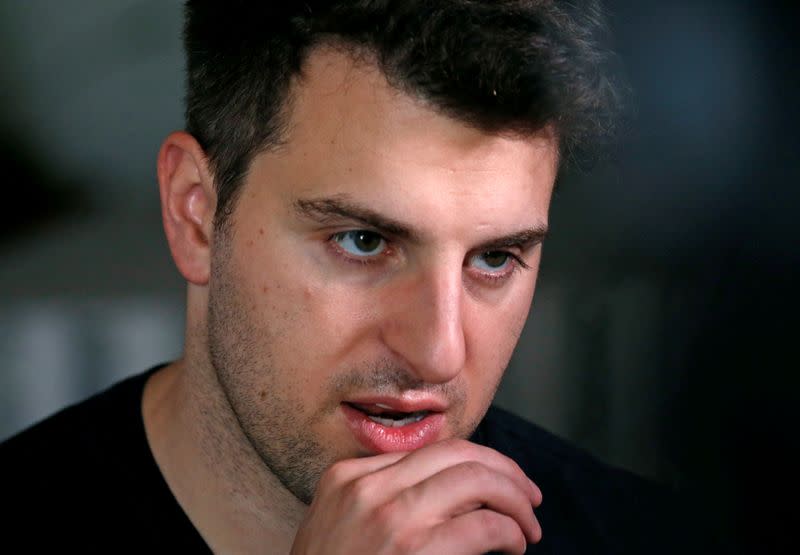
[346,102]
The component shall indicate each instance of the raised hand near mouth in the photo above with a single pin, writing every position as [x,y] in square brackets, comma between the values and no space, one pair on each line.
[451,497]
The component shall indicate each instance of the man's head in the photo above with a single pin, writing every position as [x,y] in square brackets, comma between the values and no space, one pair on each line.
[361,217]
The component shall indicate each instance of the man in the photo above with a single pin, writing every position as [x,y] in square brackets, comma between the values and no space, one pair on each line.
[358,208]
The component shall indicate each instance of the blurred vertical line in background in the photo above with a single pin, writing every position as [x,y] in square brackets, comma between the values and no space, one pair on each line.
[56,352]
[40,347]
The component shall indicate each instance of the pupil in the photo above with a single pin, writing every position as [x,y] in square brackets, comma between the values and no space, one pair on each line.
[367,241]
[495,259]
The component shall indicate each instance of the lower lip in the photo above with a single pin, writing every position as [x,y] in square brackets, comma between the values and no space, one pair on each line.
[378,438]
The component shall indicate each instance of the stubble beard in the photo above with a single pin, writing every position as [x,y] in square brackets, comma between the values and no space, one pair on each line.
[243,367]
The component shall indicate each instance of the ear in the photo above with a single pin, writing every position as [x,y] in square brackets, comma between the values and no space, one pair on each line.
[188,201]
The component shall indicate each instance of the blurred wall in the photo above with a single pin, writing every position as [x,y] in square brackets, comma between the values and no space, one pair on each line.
[87,289]
[661,331]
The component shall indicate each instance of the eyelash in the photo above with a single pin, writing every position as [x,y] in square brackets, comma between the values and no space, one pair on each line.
[517,265]
[517,262]
[360,260]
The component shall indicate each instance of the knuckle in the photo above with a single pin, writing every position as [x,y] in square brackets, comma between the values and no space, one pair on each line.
[383,517]
[516,468]
[362,492]
[491,526]
[512,464]
[335,475]
[499,529]
[402,542]
[387,520]
[408,500]
[460,447]
[405,543]
[475,471]
[395,524]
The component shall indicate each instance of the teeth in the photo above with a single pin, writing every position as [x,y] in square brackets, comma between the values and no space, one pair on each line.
[392,423]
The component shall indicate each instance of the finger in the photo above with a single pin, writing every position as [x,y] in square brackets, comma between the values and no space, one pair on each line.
[432,459]
[347,470]
[350,469]
[476,532]
[466,487]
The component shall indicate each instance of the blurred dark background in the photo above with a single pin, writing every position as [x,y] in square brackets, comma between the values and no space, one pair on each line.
[663,332]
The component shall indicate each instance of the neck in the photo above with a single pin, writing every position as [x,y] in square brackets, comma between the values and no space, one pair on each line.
[215,474]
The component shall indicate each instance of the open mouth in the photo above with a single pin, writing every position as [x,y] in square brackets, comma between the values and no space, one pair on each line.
[387,416]
[394,425]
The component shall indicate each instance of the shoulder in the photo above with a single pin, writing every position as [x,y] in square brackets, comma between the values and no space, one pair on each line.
[539,449]
[88,476]
[92,426]
[588,504]
[76,464]
[575,469]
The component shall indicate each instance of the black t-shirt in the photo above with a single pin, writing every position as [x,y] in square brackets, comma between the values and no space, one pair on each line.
[85,480]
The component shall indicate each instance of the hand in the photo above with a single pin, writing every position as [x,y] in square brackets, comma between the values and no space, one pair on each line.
[452,497]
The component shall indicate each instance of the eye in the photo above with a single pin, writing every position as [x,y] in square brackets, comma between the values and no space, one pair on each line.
[360,243]
[492,262]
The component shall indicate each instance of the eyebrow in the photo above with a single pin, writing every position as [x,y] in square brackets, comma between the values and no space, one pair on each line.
[324,210]
[524,239]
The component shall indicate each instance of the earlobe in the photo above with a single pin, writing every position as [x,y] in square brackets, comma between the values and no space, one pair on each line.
[188,201]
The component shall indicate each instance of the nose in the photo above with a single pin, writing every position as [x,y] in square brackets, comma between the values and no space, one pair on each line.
[426,325]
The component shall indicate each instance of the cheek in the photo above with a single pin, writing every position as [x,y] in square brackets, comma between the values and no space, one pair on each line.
[316,324]
[494,330]
[493,340]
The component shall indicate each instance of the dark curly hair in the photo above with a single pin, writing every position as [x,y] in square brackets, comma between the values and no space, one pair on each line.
[514,66]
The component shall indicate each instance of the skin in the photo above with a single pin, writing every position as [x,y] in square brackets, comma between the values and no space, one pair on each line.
[287,319]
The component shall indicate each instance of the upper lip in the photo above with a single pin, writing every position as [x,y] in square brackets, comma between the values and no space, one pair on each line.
[400,404]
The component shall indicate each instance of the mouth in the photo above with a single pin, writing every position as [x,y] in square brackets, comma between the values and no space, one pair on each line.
[388,425]
[385,415]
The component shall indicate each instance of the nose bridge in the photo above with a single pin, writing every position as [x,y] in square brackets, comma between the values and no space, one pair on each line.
[428,329]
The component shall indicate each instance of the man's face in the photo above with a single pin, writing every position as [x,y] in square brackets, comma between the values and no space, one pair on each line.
[371,289]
